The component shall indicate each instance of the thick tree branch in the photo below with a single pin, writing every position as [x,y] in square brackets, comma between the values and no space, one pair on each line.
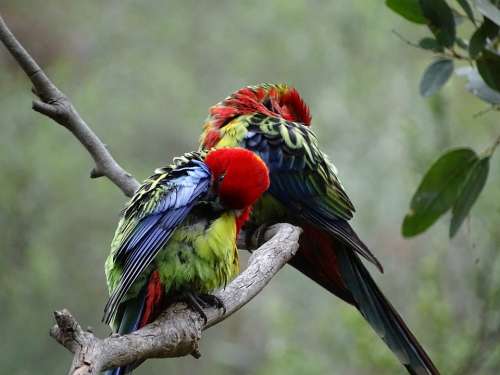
[55,105]
[177,331]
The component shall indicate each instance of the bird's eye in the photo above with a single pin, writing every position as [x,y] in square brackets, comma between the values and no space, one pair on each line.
[221,177]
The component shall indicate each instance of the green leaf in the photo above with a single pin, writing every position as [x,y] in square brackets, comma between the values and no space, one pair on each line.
[473,185]
[467,9]
[487,30]
[488,65]
[409,9]
[435,76]
[438,190]
[430,44]
[487,9]
[440,20]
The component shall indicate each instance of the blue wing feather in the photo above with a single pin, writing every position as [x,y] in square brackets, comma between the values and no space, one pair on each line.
[180,188]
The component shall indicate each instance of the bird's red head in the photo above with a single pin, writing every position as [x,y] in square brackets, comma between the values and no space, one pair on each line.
[276,100]
[240,177]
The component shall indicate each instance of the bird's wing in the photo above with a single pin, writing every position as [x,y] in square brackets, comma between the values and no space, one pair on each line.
[303,178]
[150,218]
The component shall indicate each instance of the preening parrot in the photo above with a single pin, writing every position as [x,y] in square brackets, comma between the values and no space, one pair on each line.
[273,121]
[177,235]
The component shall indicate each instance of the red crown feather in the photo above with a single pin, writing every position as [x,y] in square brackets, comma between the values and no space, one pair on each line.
[275,100]
[269,99]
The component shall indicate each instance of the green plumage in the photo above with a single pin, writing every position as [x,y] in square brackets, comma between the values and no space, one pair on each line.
[200,255]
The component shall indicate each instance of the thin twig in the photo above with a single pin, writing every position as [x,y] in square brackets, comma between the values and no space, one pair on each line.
[450,53]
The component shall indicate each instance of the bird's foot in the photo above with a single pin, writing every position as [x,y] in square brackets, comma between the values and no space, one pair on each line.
[255,237]
[201,301]
[211,300]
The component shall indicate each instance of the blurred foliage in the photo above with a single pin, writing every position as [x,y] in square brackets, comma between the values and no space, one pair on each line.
[143,75]
[453,180]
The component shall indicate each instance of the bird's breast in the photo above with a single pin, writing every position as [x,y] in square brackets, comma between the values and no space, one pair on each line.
[201,255]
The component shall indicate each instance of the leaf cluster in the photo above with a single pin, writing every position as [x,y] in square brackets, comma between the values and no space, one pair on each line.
[480,50]
[456,178]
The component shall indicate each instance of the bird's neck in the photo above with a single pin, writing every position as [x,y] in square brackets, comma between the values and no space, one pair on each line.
[242,217]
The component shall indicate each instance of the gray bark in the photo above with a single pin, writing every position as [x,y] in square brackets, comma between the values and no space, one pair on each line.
[177,331]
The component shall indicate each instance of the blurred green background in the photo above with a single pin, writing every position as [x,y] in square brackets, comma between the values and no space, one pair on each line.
[143,75]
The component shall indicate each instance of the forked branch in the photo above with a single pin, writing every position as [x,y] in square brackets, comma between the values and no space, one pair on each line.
[177,331]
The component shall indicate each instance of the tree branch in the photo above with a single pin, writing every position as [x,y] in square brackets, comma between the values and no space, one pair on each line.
[55,105]
[177,331]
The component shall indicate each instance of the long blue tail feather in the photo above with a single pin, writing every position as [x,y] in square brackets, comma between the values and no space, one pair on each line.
[129,322]
[382,316]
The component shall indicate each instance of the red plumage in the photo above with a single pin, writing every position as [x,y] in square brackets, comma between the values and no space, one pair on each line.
[239,176]
[243,218]
[293,108]
[318,260]
[272,100]
[154,299]
[211,138]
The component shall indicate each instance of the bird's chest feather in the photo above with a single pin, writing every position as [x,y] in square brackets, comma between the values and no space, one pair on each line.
[267,210]
[201,256]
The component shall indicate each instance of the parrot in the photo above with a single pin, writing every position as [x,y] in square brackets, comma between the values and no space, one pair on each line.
[273,121]
[177,236]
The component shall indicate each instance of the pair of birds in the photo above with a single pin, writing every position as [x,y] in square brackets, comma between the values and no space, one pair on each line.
[259,163]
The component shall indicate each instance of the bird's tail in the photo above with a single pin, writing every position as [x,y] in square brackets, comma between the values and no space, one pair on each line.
[337,268]
[381,315]
[138,312]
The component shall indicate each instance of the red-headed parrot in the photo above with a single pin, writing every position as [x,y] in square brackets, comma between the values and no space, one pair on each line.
[273,121]
[177,235]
